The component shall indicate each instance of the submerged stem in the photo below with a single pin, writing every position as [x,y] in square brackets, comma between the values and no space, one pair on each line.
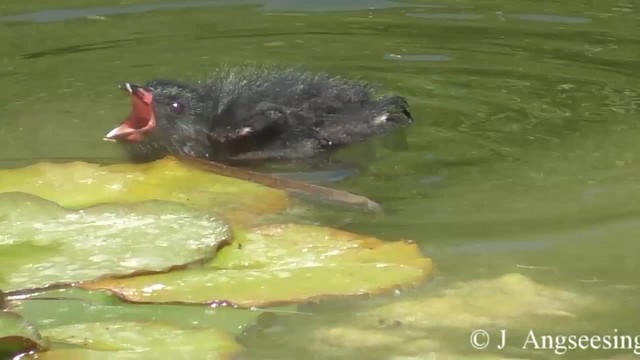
[292,186]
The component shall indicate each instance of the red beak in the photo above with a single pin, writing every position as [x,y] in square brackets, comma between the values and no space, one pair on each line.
[141,119]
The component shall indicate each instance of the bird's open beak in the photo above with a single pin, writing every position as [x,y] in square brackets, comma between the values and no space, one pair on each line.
[141,119]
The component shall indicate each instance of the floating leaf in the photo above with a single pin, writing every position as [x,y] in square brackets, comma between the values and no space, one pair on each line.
[133,340]
[68,306]
[17,336]
[44,244]
[79,184]
[284,263]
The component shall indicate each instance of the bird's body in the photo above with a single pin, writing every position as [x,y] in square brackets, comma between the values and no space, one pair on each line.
[255,114]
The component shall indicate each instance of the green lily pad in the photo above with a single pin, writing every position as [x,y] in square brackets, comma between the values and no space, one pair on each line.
[61,307]
[79,184]
[277,264]
[43,244]
[133,340]
[17,336]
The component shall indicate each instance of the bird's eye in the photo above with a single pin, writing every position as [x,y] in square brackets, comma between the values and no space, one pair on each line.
[176,108]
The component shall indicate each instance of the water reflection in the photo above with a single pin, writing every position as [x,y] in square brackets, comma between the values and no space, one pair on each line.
[552,18]
[503,16]
[54,15]
[417,57]
[446,16]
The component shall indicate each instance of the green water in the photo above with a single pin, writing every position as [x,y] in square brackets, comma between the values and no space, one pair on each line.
[523,157]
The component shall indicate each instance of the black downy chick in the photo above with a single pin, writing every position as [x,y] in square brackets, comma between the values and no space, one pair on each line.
[254,114]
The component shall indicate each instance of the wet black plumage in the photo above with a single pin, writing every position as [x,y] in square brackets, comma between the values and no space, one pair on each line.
[263,114]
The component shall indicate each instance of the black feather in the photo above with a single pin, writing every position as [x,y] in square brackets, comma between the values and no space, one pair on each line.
[265,113]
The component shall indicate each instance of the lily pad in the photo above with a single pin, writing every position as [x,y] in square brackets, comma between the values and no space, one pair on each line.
[79,184]
[61,307]
[133,340]
[43,244]
[17,336]
[276,264]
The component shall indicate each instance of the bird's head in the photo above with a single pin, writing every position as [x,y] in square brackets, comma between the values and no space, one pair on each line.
[166,118]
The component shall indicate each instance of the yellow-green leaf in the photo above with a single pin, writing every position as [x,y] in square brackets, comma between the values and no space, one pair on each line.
[80,184]
[133,340]
[284,263]
[43,244]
